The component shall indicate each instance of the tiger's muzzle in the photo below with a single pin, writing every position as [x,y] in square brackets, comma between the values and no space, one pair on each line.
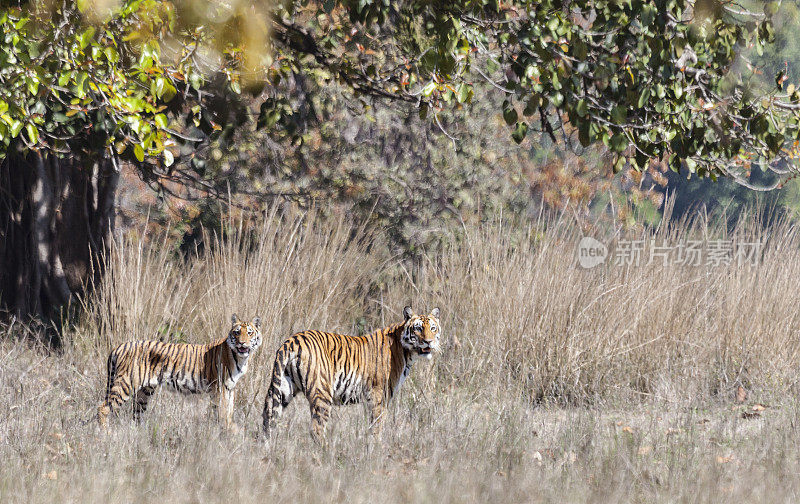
[242,348]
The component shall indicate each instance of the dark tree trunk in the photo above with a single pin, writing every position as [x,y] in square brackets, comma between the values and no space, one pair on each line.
[56,223]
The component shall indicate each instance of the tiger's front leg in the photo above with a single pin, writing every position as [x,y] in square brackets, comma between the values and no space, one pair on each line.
[142,397]
[375,401]
[223,404]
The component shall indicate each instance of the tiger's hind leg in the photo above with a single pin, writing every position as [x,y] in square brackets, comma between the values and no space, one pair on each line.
[140,401]
[118,393]
[321,403]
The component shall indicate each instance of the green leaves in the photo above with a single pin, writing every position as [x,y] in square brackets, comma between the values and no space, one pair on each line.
[66,84]
[618,142]
[510,114]
[582,108]
[639,84]
[619,71]
[644,98]
[619,114]
[162,88]
[161,121]
[428,89]
[15,128]
[33,133]
[520,131]
[648,14]
[85,37]
[464,93]
[111,54]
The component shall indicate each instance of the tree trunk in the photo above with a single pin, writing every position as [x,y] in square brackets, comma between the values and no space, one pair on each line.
[56,223]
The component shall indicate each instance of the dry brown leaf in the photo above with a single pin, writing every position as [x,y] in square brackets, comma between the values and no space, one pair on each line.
[725,460]
[759,407]
[627,429]
[644,450]
[52,475]
[741,394]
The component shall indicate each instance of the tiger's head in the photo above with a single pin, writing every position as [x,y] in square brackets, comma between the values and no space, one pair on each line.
[421,333]
[244,337]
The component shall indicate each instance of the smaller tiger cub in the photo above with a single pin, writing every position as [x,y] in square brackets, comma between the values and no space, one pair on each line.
[137,368]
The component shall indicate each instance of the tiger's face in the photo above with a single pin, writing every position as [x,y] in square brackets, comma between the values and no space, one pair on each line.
[422,332]
[244,337]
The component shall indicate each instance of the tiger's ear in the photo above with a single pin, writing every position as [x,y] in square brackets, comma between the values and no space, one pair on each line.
[257,322]
[435,313]
[407,313]
[234,319]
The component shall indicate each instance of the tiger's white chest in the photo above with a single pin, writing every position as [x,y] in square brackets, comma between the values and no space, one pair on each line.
[239,369]
[402,377]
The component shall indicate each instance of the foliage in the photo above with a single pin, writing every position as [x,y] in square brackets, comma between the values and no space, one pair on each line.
[117,81]
[648,79]
[726,199]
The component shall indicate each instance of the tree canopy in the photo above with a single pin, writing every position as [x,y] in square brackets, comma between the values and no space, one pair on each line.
[649,79]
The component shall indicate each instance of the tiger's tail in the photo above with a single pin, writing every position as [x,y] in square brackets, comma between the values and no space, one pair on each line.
[281,389]
[104,409]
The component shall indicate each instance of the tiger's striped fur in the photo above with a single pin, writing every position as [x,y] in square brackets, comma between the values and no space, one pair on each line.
[137,368]
[339,369]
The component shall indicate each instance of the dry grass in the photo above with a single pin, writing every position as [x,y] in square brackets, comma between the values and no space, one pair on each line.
[556,383]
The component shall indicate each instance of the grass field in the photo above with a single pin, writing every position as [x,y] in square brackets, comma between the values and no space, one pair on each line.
[555,383]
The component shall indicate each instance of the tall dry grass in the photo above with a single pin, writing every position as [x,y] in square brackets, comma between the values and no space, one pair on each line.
[544,366]
[526,317]
[290,271]
[534,322]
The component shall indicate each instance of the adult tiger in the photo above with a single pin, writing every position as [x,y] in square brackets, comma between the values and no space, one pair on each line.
[339,369]
[136,368]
